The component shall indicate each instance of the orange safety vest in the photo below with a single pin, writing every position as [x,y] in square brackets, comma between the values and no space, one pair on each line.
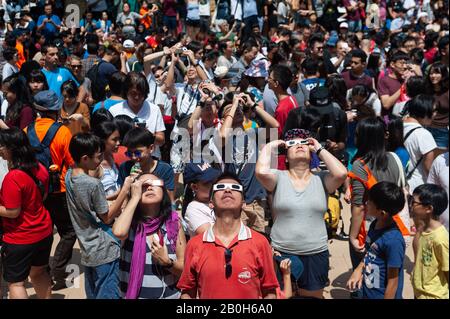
[371,180]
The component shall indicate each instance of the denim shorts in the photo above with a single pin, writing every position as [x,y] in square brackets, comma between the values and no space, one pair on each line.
[440,136]
[315,271]
[102,282]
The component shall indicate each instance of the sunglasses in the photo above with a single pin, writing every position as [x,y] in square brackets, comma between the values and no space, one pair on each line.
[76,66]
[224,186]
[136,153]
[152,182]
[291,143]
[228,267]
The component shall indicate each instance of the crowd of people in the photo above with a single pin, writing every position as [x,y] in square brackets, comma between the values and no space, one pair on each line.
[194,147]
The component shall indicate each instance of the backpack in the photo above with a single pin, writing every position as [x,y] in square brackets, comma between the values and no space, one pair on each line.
[43,155]
[98,84]
[330,120]
[333,215]
[371,181]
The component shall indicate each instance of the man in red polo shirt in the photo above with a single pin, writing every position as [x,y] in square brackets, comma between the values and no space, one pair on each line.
[229,260]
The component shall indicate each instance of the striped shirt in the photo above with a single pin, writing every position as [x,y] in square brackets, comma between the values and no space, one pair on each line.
[158,282]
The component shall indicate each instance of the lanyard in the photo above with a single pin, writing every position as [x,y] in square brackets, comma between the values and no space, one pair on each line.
[191,98]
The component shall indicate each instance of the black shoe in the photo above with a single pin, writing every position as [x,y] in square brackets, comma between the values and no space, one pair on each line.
[59,284]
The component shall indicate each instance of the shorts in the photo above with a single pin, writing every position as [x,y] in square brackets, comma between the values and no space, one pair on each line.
[170,22]
[193,23]
[315,271]
[17,260]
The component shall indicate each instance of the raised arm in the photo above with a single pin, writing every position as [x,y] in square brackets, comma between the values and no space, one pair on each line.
[122,225]
[264,174]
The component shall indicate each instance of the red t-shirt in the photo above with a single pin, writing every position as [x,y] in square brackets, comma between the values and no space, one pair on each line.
[281,114]
[251,262]
[120,156]
[33,223]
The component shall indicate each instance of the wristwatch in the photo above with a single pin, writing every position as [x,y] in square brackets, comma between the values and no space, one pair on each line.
[320,150]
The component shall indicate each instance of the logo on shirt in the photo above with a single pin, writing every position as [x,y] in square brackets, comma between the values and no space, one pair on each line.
[245,276]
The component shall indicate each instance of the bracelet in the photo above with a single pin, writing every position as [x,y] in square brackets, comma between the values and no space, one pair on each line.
[320,150]
[229,116]
[171,263]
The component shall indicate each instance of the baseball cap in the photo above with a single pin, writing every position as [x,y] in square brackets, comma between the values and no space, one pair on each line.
[202,172]
[47,101]
[343,25]
[333,40]
[128,44]
[319,96]
[221,72]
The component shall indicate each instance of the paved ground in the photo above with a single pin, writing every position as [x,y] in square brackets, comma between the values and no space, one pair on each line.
[339,273]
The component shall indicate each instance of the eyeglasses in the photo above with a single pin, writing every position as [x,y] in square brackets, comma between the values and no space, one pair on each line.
[136,153]
[291,143]
[152,182]
[228,267]
[76,66]
[224,186]
[412,202]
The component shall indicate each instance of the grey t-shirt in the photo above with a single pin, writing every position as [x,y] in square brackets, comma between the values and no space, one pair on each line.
[392,174]
[86,198]
[299,227]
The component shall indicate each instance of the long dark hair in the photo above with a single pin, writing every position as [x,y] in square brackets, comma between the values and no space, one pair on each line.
[371,143]
[105,129]
[338,90]
[22,154]
[440,68]
[18,87]
[395,129]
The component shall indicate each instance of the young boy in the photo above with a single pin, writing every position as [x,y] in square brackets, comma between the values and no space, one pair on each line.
[90,215]
[380,274]
[430,275]
[140,145]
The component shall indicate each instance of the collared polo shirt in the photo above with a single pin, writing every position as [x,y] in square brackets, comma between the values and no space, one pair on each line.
[251,263]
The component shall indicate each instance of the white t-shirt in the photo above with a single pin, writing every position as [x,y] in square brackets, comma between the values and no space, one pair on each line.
[187,100]
[9,70]
[149,114]
[204,7]
[198,214]
[4,105]
[419,143]
[439,175]
[156,96]
[223,61]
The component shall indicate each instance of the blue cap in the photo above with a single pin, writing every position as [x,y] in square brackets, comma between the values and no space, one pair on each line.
[333,40]
[47,101]
[202,172]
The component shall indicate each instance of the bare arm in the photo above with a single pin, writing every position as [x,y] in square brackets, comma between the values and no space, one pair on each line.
[428,159]
[389,101]
[392,283]
[10,213]
[355,225]
[115,208]
[264,174]
[122,225]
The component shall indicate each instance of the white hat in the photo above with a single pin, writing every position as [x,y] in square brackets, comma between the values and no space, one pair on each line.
[422,14]
[220,71]
[343,25]
[128,44]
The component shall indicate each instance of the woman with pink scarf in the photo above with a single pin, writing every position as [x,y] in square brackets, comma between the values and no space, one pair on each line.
[153,242]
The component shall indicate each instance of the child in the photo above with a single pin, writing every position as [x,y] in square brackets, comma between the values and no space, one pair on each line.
[140,145]
[380,273]
[91,215]
[430,274]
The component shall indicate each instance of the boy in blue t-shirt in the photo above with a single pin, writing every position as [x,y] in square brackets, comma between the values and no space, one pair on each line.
[380,274]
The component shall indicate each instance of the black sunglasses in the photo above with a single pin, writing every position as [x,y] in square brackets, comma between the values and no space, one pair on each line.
[228,268]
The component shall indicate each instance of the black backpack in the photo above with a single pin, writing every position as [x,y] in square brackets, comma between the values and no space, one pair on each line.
[43,155]
[98,84]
